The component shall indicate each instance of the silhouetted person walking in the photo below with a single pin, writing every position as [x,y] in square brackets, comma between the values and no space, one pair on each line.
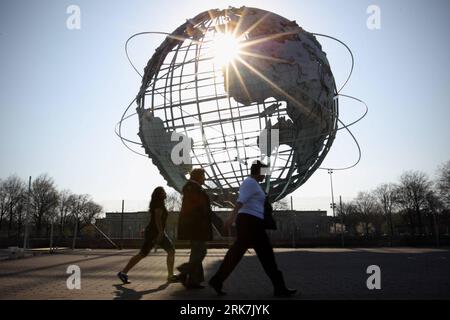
[154,235]
[251,233]
[194,225]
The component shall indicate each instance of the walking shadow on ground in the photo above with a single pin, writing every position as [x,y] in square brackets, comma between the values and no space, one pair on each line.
[331,274]
[124,293]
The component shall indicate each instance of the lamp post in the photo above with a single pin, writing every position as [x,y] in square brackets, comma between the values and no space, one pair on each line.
[75,232]
[52,222]
[294,227]
[342,221]
[27,215]
[332,205]
[121,225]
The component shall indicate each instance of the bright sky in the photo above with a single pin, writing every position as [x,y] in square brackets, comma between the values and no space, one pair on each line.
[62,91]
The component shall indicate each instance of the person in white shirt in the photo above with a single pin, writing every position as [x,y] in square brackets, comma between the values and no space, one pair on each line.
[249,210]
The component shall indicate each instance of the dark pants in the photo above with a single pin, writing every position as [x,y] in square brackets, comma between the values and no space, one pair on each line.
[192,271]
[150,242]
[250,234]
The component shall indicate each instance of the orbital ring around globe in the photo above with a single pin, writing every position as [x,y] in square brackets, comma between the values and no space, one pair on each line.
[278,80]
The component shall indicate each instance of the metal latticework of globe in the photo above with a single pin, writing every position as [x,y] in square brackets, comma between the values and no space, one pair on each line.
[227,79]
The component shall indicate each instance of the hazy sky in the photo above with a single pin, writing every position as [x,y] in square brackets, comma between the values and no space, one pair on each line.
[62,91]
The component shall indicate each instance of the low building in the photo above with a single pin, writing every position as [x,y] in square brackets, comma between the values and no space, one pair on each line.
[291,225]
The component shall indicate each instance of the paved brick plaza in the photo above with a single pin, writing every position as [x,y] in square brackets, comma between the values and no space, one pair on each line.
[406,273]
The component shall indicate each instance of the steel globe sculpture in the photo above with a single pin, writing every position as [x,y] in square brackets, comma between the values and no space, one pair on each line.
[231,83]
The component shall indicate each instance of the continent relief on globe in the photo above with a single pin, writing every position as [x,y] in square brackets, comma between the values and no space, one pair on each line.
[288,65]
[159,143]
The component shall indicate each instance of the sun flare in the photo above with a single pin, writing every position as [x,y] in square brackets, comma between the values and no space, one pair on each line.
[225,48]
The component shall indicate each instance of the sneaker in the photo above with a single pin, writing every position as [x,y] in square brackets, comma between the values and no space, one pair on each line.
[174,278]
[217,287]
[123,277]
[284,292]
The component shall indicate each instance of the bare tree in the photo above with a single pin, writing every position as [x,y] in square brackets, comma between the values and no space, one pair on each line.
[434,206]
[66,206]
[20,210]
[90,211]
[366,207]
[2,202]
[83,212]
[80,201]
[14,189]
[411,193]
[47,205]
[386,195]
[350,217]
[44,199]
[443,184]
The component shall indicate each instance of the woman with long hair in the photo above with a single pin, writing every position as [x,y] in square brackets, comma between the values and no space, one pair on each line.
[154,235]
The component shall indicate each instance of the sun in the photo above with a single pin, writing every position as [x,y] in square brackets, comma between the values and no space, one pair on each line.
[226,48]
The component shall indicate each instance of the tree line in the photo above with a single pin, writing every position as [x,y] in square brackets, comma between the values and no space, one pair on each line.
[415,205]
[42,205]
